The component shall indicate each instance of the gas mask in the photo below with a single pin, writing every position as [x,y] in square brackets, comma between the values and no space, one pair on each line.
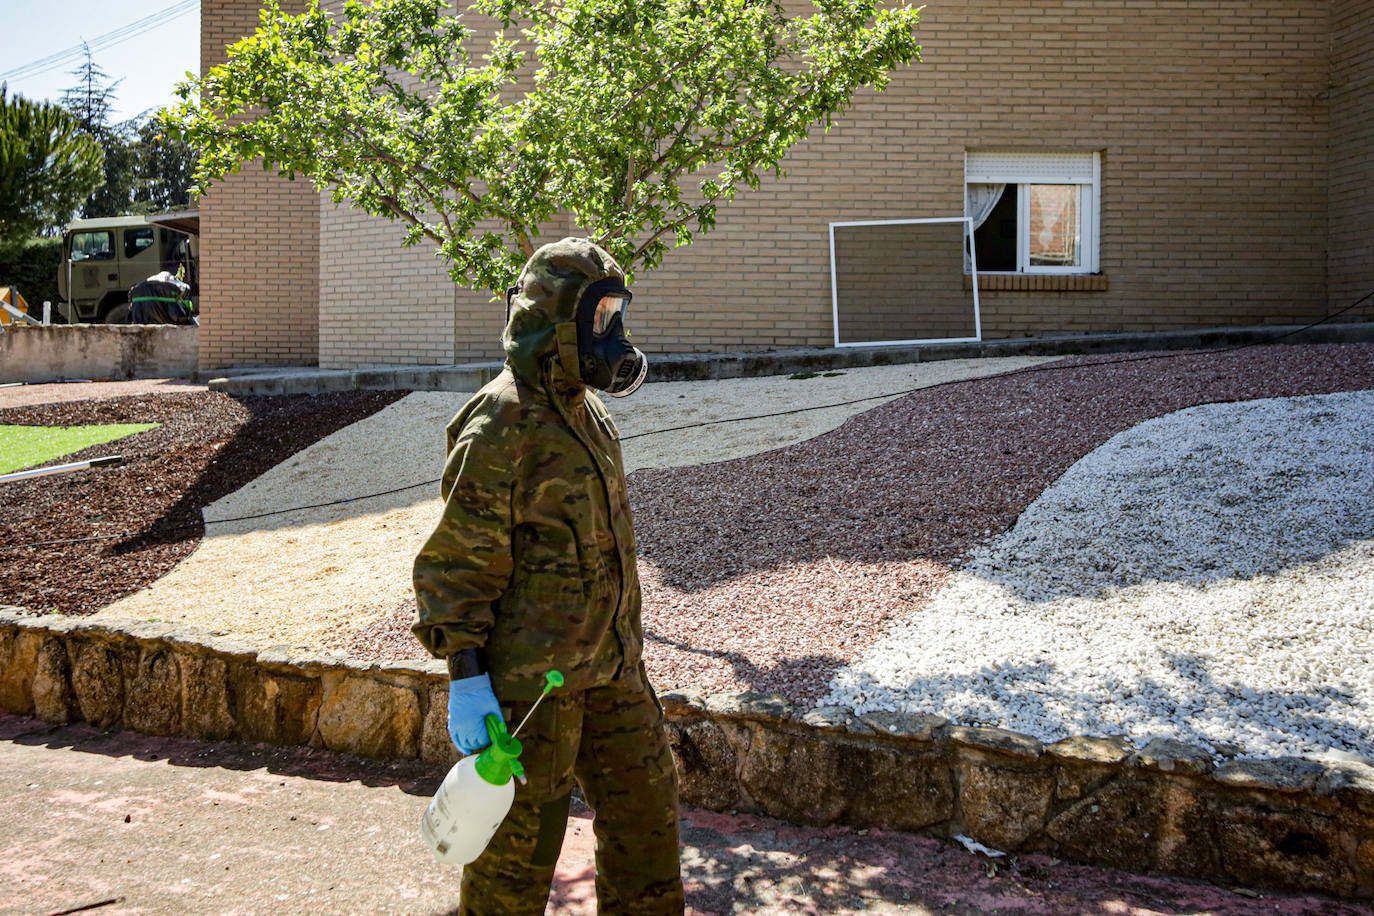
[605,359]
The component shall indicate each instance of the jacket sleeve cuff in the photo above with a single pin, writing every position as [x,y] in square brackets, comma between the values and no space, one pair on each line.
[467,663]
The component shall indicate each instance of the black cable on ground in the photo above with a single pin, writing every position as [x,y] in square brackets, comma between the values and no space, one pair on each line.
[1053,367]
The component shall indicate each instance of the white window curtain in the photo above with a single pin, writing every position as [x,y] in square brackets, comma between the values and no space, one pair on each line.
[979,199]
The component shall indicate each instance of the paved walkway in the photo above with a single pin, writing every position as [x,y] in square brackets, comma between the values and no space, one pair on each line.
[15,395]
[122,823]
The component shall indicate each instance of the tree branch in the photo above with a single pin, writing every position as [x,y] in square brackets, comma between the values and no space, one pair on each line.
[682,221]
[395,206]
[706,149]
[687,126]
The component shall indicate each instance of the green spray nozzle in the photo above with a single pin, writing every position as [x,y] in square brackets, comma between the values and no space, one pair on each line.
[501,759]
[551,680]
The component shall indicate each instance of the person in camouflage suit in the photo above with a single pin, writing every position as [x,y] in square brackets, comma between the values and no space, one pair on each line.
[532,568]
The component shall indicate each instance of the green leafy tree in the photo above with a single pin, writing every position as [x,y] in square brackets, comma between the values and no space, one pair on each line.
[146,171]
[162,170]
[48,165]
[637,118]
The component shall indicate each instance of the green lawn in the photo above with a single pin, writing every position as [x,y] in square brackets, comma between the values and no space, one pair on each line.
[26,446]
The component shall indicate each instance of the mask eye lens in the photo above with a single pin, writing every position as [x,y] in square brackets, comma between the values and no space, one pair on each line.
[606,309]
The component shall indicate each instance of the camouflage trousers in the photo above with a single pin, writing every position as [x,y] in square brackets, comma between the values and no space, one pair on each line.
[612,741]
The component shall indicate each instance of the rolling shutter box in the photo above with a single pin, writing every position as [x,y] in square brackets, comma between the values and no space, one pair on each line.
[1028,168]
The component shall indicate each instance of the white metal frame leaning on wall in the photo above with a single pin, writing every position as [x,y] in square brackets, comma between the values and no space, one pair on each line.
[835,290]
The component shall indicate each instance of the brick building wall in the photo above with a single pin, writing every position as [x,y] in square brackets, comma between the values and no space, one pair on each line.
[1211,122]
[1352,154]
[259,243]
[1218,151]
[380,304]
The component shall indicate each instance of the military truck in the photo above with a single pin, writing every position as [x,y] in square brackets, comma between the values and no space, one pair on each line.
[103,258]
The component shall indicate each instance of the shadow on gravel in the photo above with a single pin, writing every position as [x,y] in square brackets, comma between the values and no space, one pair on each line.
[754,676]
[1187,704]
[935,473]
[276,428]
[144,516]
[1215,494]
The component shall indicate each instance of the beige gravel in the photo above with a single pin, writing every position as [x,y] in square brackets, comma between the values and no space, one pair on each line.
[308,578]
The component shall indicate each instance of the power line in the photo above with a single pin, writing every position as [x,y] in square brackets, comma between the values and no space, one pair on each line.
[1055,367]
[109,39]
[133,30]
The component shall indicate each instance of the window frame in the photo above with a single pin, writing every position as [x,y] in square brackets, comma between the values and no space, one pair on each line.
[835,287]
[1085,174]
[133,235]
[84,250]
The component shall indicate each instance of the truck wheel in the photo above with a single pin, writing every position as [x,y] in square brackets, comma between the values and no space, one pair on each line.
[120,314]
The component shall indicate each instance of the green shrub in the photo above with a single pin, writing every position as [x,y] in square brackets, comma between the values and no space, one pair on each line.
[32,269]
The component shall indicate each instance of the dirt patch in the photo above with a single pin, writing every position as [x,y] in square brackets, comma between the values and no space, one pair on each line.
[144,517]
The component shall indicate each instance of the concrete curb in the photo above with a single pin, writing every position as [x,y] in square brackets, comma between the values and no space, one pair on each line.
[468,377]
[1289,823]
[679,367]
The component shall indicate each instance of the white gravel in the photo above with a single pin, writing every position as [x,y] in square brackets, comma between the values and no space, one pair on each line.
[1206,576]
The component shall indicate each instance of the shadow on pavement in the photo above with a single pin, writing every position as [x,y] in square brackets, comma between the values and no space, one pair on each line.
[801,669]
[412,777]
[96,818]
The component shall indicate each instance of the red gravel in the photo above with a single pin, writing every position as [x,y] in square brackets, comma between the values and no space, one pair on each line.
[207,446]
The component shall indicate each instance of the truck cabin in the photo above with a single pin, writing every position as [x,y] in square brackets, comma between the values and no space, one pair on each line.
[103,258]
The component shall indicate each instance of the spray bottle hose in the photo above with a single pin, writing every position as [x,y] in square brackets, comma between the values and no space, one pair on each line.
[551,680]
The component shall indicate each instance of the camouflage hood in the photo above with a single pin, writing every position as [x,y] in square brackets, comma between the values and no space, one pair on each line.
[542,326]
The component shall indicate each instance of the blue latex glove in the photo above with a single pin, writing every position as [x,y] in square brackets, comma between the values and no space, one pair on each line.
[470,701]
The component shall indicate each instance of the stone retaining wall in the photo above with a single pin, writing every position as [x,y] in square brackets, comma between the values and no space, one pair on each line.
[1288,824]
[97,351]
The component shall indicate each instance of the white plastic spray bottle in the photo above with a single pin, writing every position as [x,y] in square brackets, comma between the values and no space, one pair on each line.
[476,795]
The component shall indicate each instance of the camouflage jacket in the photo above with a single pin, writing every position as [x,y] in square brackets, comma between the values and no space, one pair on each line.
[534,557]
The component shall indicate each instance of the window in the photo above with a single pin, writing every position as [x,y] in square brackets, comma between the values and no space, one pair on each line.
[92,246]
[1033,212]
[136,240]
